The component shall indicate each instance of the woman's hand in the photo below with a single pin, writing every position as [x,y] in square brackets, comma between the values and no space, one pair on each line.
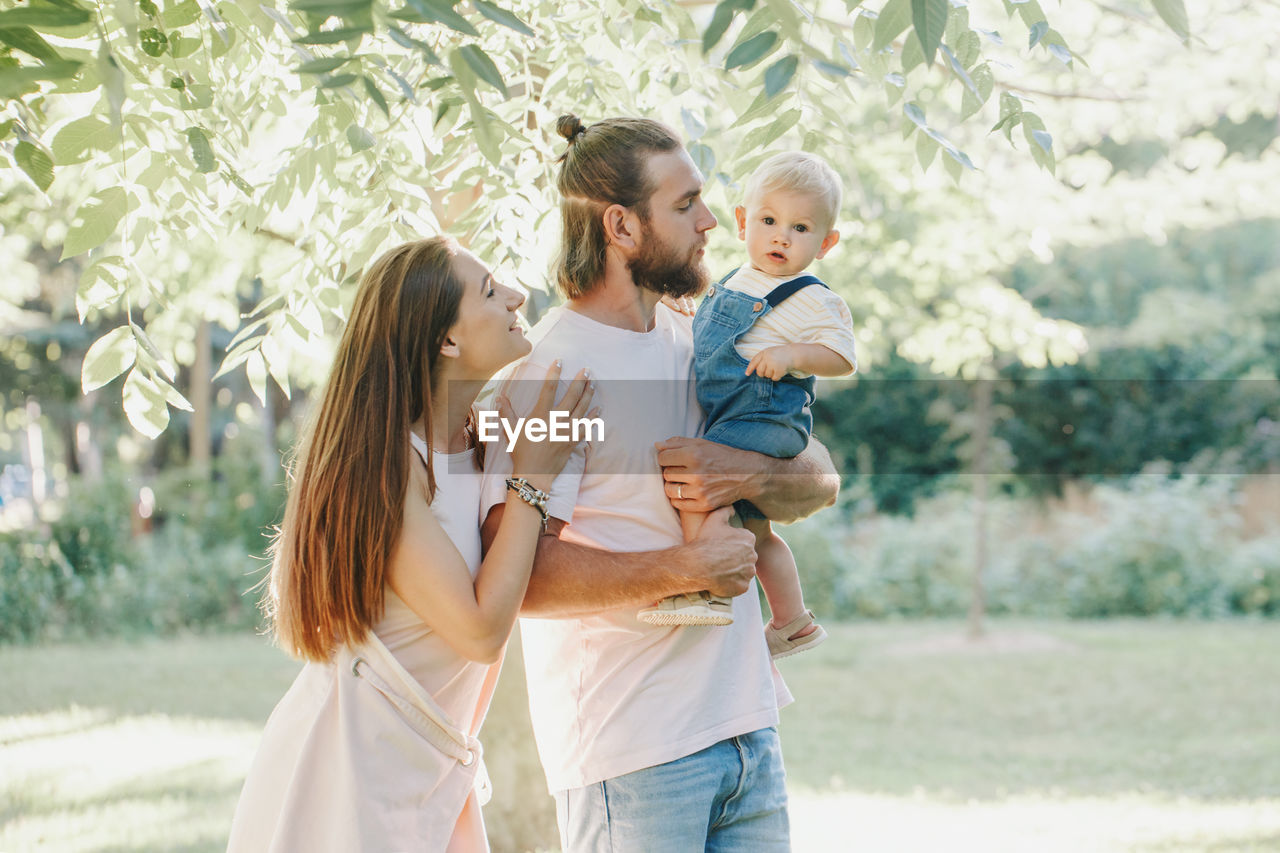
[540,461]
[684,304]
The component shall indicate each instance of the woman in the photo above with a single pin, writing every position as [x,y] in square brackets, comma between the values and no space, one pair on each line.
[377,581]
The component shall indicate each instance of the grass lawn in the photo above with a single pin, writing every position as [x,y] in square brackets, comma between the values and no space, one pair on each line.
[1135,736]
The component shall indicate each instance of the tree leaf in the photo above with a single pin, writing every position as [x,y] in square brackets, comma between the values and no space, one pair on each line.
[1038,29]
[153,42]
[180,14]
[110,355]
[502,16]
[719,24]
[926,150]
[325,8]
[360,138]
[403,39]
[912,111]
[435,12]
[96,220]
[1062,53]
[29,41]
[42,13]
[144,403]
[174,397]
[337,81]
[930,19]
[751,51]
[779,74]
[376,94]
[76,139]
[255,367]
[334,36]
[894,18]
[323,65]
[694,125]
[763,136]
[1174,14]
[16,80]
[703,157]
[201,150]
[36,163]
[483,66]
[831,69]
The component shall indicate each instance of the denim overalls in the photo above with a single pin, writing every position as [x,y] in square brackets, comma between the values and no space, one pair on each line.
[748,412]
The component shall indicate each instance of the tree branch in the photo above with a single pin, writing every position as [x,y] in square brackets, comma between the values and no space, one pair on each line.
[1074,96]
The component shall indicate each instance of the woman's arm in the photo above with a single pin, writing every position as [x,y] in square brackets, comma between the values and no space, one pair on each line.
[430,575]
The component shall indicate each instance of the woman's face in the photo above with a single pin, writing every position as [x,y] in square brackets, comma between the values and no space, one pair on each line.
[488,331]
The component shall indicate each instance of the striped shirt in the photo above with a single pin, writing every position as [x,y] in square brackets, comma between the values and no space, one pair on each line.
[812,315]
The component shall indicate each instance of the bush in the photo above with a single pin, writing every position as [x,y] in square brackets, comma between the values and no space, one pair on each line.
[94,573]
[1146,547]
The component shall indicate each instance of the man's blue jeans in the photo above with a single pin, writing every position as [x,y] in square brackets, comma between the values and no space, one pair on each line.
[731,796]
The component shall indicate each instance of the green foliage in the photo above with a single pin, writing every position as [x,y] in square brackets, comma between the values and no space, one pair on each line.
[201,172]
[1149,546]
[96,574]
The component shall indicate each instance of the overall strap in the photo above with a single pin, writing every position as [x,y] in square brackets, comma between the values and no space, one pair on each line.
[728,276]
[787,288]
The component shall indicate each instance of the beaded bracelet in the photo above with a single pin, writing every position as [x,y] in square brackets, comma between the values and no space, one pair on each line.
[531,495]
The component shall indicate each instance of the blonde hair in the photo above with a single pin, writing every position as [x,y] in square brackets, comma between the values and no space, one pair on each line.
[798,172]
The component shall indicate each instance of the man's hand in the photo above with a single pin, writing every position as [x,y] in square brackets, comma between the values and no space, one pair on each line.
[723,556]
[701,475]
[772,362]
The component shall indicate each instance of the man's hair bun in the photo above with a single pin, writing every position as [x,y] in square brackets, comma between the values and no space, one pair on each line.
[569,126]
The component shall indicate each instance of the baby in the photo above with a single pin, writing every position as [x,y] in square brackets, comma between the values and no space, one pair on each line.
[760,337]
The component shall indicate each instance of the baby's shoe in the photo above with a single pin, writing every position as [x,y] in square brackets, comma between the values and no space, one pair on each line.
[780,644]
[695,608]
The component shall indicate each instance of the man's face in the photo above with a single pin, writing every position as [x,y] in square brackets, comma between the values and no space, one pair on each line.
[672,238]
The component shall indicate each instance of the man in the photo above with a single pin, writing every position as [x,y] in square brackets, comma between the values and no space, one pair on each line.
[652,738]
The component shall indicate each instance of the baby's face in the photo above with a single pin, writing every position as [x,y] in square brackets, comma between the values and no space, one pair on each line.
[785,231]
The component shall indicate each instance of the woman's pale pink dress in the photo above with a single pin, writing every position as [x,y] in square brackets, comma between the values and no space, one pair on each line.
[376,750]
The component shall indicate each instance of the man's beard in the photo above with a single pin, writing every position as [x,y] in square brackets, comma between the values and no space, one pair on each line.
[657,269]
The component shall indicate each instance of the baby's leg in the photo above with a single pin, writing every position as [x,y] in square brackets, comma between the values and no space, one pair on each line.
[691,523]
[779,578]
[695,608]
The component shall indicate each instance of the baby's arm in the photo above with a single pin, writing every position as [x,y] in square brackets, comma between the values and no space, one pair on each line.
[816,359]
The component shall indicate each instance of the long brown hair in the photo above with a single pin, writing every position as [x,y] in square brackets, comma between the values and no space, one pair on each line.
[346,504]
[605,164]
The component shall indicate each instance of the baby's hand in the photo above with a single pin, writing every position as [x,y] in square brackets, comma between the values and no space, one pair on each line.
[772,363]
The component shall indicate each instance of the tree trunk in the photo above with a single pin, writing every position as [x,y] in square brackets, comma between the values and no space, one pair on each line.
[200,394]
[981,483]
[35,456]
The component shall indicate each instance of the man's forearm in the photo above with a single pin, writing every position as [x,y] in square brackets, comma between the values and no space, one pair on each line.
[791,489]
[571,580]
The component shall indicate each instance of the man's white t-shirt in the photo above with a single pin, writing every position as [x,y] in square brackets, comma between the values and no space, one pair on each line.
[609,694]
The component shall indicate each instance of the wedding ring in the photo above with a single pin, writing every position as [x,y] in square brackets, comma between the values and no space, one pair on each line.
[680,491]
